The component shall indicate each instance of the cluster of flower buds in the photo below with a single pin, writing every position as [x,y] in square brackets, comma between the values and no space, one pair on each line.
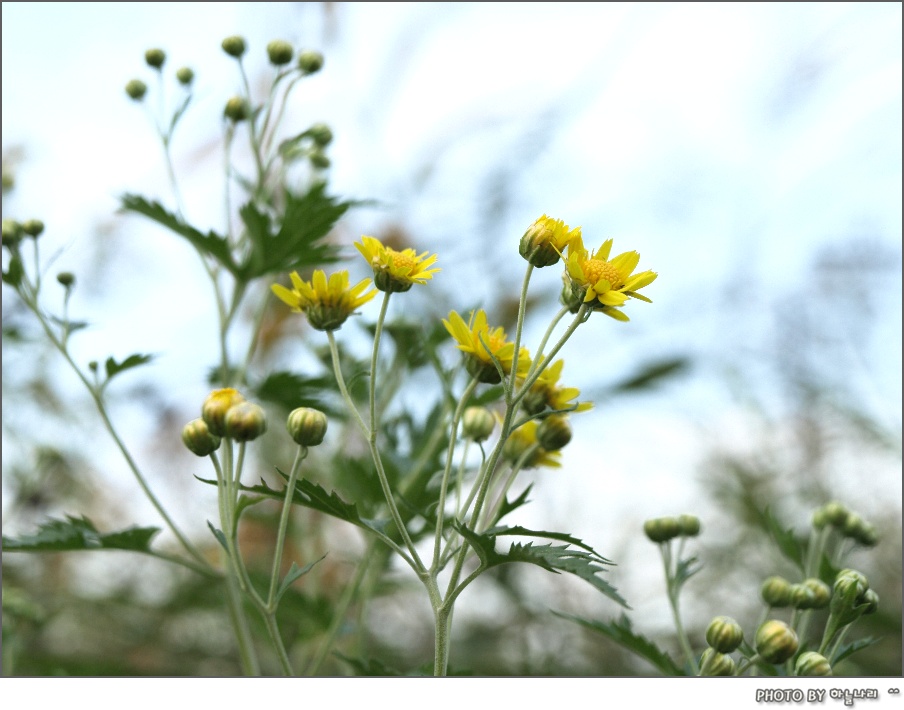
[723,635]
[279,52]
[664,529]
[848,523]
[155,58]
[15,231]
[852,597]
[225,413]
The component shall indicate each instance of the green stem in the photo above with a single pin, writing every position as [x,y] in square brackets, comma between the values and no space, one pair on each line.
[522,307]
[283,526]
[673,603]
[538,356]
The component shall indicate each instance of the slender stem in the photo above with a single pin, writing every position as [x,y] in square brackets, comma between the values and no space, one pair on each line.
[273,630]
[673,603]
[340,380]
[247,653]
[546,336]
[378,332]
[283,525]
[522,307]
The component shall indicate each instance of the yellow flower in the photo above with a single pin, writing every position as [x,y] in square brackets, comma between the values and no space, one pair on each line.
[545,240]
[545,392]
[395,271]
[481,345]
[524,438]
[604,283]
[327,304]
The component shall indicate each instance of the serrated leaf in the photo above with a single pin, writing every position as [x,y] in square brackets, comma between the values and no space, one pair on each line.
[113,368]
[217,533]
[80,534]
[849,648]
[788,543]
[508,507]
[294,573]
[684,570]
[622,633]
[211,243]
[291,390]
[561,537]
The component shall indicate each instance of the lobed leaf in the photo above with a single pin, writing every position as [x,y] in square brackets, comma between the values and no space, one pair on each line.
[113,368]
[80,534]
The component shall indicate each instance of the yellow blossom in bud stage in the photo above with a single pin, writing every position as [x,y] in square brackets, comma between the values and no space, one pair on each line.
[326,302]
[546,393]
[545,240]
[481,344]
[714,663]
[394,270]
[606,284]
[245,421]
[811,664]
[215,407]
[198,439]
[307,426]
[776,642]
[524,438]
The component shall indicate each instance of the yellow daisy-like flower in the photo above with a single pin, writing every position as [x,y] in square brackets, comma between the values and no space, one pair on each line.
[524,438]
[326,303]
[396,271]
[605,283]
[545,392]
[545,240]
[481,344]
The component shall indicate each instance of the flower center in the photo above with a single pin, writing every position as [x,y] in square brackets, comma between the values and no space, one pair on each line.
[596,269]
[400,260]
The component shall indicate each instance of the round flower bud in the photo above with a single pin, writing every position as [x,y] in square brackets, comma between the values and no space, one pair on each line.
[236,109]
[713,663]
[12,232]
[514,448]
[836,514]
[136,89]
[534,401]
[321,134]
[320,160]
[309,61]
[478,423]
[724,634]
[245,421]
[871,600]
[215,407]
[662,529]
[812,664]
[198,439]
[802,597]
[689,524]
[776,592]
[866,535]
[554,432]
[66,278]
[280,52]
[155,58]
[822,593]
[571,296]
[848,595]
[33,227]
[234,46]
[185,75]
[776,642]
[92,366]
[307,426]
[820,518]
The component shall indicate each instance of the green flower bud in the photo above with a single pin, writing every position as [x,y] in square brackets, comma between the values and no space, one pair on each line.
[724,634]
[776,592]
[12,232]
[689,524]
[571,297]
[802,597]
[554,432]
[820,518]
[534,401]
[155,58]
[812,664]
[821,591]
[215,407]
[198,439]
[836,514]
[321,134]
[478,423]
[776,642]
[713,663]
[662,529]
[33,227]
[319,159]
[848,595]
[307,426]
[245,421]
[309,61]
[280,52]
[66,278]
[185,75]
[485,372]
[857,529]
[234,46]
[92,366]
[136,89]
[870,600]
[8,180]
[237,109]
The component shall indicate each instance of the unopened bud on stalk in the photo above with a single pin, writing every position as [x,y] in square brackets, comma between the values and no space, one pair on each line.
[812,664]
[554,432]
[155,58]
[185,76]
[724,634]
[309,61]
[66,278]
[689,524]
[236,109]
[836,514]
[478,423]
[871,601]
[12,232]
[307,426]
[234,46]
[136,89]
[855,527]
[198,439]
[33,227]
[662,529]
[776,642]
[321,134]
[802,597]
[713,663]
[319,159]
[280,52]
[821,591]
[245,421]
[776,592]
[215,407]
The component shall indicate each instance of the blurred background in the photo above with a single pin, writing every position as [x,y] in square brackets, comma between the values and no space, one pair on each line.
[750,152]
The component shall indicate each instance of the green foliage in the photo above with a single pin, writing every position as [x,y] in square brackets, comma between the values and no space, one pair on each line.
[113,368]
[791,547]
[290,390]
[80,534]
[14,271]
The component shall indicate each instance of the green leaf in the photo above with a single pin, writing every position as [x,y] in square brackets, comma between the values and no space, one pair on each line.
[849,648]
[113,368]
[370,667]
[562,537]
[653,374]
[622,633]
[684,570]
[788,543]
[507,507]
[217,533]
[294,573]
[14,272]
[291,390]
[211,243]
[80,534]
